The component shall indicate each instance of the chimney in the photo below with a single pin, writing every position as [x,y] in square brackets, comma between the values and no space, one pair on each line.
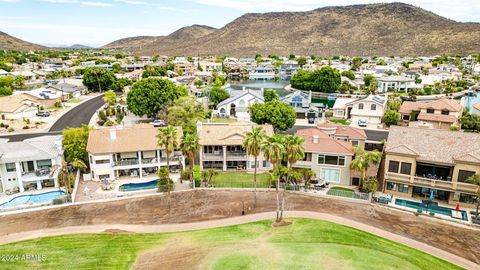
[113,134]
[315,139]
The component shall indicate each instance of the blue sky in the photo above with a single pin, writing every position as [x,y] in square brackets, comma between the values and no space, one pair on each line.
[97,22]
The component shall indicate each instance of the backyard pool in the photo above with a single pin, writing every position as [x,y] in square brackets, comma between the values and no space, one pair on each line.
[41,198]
[434,209]
[139,186]
[470,101]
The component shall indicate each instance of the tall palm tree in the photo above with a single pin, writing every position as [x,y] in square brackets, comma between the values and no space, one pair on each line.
[253,145]
[190,147]
[363,160]
[167,137]
[475,179]
[63,177]
[274,149]
[294,151]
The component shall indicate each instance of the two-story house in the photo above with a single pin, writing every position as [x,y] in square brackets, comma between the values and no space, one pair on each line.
[441,113]
[30,164]
[221,146]
[421,163]
[368,110]
[395,83]
[302,103]
[328,157]
[238,102]
[129,152]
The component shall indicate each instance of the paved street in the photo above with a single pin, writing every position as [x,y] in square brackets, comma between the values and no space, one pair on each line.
[76,117]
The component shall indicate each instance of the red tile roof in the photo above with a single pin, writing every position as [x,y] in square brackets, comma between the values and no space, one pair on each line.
[325,144]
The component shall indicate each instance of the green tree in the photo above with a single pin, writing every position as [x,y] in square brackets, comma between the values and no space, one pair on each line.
[274,149]
[367,79]
[279,114]
[167,138]
[185,112]
[120,84]
[98,79]
[74,142]
[217,94]
[394,104]
[349,74]
[110,98]
[208,175]
[356,63]
[149,96]
[326,80]
[294,151]
[19,82]
[370,185]
[270,95]
[253,145]
[301,61]
[363,160]
[164,183]
[475,180]
[190,147]
[391,117]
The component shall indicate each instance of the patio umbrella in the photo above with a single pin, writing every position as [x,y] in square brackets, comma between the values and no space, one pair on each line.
[457,208]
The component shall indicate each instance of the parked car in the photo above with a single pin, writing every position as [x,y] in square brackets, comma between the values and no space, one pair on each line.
[43,114]
[157,123]
[362,123]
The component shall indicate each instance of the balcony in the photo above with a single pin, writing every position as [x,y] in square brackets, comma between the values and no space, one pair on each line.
[431,183]
[126,162]
[171,159]
[215,155]
[236,155]
[149,160]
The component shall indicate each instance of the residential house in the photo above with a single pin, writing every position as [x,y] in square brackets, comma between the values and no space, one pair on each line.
[262,73]
[129,152]
[46,96]
[340,109]
[72,90]
[186,68]
[3,73]
[208,66]
[424,163]
[287,71]
[369,109]
[356,136]
[238,102]
[302,104]
[441,113]
[18,107]
[221,146]
[395,83]
[328,157]
[30,164]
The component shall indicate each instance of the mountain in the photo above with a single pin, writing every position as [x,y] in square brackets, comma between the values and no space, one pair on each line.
[375,29]
[156,44]
[78,47]
[8,42]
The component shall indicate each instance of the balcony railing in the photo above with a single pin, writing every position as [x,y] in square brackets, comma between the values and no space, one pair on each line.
[172,158]
[237,154]
[38,172]
[424,181]
[126,162]
[149,160]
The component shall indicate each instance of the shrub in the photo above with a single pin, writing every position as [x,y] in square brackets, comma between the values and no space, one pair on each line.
[102,116]
[185,174]
[58,104]
[11,129]
[2,125]
[60,200]
[26,127]
[328,114]
[100,122]
[119,118]
[109,123]
[197,175]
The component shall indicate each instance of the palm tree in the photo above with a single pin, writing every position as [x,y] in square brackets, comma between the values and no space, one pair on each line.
[253,145]
[274,149]
[190,147]
[79,164]
[475,179]
[363,160]
[208,175]
[64,177]
[167,137]
[294,151]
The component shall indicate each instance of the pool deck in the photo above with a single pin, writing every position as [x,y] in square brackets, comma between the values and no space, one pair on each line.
[5,198]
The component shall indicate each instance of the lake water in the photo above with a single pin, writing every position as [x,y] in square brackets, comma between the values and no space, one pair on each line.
[279,86]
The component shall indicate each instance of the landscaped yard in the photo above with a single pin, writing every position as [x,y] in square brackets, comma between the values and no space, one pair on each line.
[240,179]
[340,121]
[346,192]
[306,244]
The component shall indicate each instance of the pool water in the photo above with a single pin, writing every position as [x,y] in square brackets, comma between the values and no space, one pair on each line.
[435,209]
[41,198]
[470,101]
[139,186]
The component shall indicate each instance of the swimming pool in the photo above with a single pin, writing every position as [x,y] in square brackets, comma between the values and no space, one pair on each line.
[139,186]
[41,198]
[435,209]
[470,101]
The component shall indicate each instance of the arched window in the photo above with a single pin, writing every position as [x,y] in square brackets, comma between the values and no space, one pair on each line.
[241,103]
[360,106]
[373,107]
[222,110]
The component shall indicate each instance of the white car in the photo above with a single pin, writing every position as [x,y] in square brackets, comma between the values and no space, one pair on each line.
[157,123]
[362,123]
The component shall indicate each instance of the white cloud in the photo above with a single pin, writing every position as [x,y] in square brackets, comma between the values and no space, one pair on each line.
[83,3]
[9,1]
[95,4]
[133,2]
[463,10]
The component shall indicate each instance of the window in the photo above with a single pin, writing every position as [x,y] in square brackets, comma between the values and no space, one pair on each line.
[252,165]
[330,175]
[445,112]
[391,186]
[393,166]
[105,161]
[467,198]
[10,167]
[360,106]
[331,160]
[406,168]
[430,111]
[403,188]
[354,143]
[464,175]
[406,117]
[44,163]
[307,157]
[266,164]
[373,107]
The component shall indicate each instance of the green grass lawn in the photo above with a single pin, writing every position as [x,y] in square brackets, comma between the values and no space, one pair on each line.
[240,179]
[306,244]
[341,188]
[343,192]
[340,121]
